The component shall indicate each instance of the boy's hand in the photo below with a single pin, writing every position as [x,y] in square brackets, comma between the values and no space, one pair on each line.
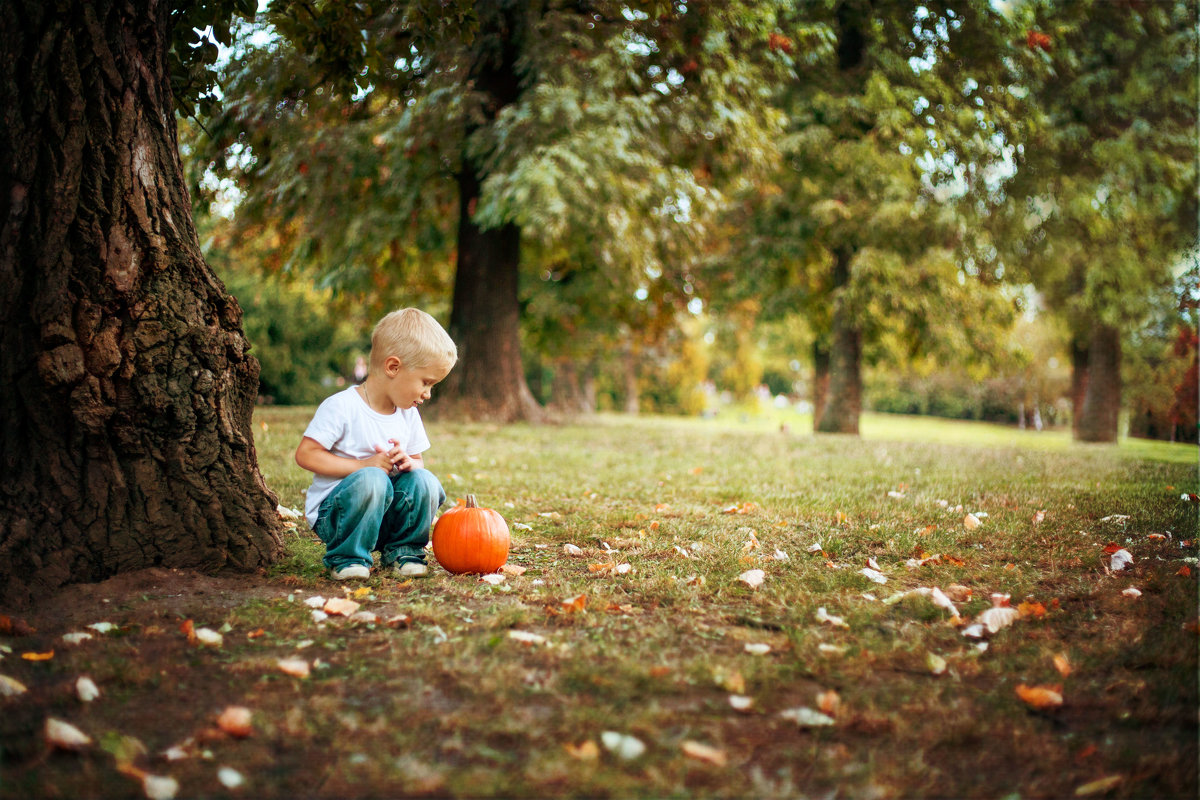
[397,459]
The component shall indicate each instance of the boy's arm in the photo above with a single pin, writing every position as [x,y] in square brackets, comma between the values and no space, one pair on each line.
[314,457]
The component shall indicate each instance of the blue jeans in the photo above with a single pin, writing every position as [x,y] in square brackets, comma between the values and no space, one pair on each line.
[372,510]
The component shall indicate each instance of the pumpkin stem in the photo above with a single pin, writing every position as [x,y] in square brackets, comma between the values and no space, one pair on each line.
[472,502]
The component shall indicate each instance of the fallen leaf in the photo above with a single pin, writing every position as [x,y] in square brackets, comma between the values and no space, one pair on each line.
[76,637]
[1031,609]
[236,721]
[704,752]
[1038,517]
[602,567]
[739,702]
[623,745]
[86,689]
[1132,592]
[65,736]
[997,618]
[825,616]
[340,606]
[958,593]
[209,637]
[572,550]
[585,751]
[1062,664]
[936,664]
[753,578]
[361,592]
[928,529]
[513,569]
[103,627]
[574,604]
[971,522]
[1040,696]
[525,637]
[492,578]
[873,574]
[896,495]
[1099,786]
[11,687]
[757,648]
[1120,560]
[188,629]
[806,717]
[828,702]
[230,778]
[159,787]
[296,667]
[32,656]
[1185,571]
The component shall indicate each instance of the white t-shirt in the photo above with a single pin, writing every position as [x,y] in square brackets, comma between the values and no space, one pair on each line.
[346,426]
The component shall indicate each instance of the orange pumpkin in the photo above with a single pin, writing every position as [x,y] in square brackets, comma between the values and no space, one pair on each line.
[468,538]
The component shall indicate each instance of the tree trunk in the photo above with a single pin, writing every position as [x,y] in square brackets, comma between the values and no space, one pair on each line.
[128,388]
[1099,418]
[844,399]
[485,318]
[820,388]
[572,393]
[629,372]
[1079,379]
[488,383]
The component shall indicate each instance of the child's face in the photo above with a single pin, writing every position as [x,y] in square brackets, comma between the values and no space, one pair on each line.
[410,387]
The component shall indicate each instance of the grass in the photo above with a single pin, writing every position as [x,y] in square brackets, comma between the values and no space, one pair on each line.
[449,703]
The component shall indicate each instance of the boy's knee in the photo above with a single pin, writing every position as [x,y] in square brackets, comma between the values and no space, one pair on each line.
[425,486]
[371,485]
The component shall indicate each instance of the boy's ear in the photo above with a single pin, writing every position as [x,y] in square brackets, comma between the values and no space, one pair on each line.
[392,366]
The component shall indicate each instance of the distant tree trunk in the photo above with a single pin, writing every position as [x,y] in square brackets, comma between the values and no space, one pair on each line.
[1099,419]
[572,394]
[1079,379]
[820,389]
[485,318]
[629,363]
[844,400]
[128,388]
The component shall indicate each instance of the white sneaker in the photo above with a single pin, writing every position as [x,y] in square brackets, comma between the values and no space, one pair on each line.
[411,569]
[351,571]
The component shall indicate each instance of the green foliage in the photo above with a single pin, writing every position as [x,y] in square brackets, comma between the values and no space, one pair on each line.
[897,116]
[305,348]
[1105,197]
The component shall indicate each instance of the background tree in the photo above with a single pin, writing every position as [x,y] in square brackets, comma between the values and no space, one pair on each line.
[128,387]
[504,139]
[893,111]
[1105,197]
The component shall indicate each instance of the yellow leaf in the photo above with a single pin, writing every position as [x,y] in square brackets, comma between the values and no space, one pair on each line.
[362,591]
[1099,786]
[585,751]
[38,656]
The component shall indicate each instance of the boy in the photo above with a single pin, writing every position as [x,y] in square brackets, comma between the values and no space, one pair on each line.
[370,490]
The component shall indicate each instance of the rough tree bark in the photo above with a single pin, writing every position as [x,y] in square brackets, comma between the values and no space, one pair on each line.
[489,380]
[843,402]
[128,388]
[1099,416]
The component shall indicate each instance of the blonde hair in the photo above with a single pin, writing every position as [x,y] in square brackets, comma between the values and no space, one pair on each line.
[415,338]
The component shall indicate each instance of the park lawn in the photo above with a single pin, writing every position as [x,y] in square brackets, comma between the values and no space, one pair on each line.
[672,677]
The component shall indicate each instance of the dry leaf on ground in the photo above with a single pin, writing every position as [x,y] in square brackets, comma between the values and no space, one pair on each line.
[236,721]
[1041,696]
[65,736]
[704,752]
